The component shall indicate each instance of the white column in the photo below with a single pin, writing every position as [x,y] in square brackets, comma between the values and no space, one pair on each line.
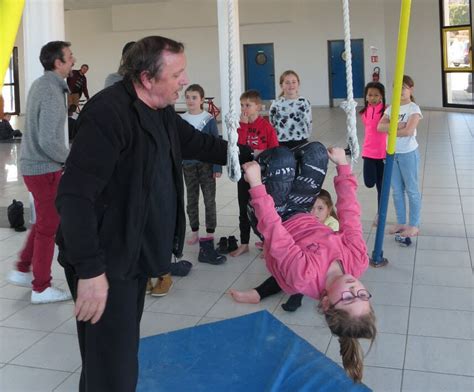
[43,21]
[224,55]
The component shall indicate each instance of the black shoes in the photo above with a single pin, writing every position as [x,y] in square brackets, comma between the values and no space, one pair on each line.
[232,244]
[227,245]
[223,246]
[207,253]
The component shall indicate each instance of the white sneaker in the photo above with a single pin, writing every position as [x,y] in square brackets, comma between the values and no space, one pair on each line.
[20,278]
[51,294]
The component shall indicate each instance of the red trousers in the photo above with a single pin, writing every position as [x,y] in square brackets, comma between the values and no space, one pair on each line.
[38,251]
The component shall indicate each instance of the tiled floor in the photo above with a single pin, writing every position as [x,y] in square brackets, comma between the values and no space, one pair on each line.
[423,298]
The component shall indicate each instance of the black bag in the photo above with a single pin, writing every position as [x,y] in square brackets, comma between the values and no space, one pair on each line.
[15,216]
[180,268]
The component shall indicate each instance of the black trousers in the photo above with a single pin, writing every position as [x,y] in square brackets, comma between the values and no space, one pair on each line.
[373,175]
[109,348]
[243,196]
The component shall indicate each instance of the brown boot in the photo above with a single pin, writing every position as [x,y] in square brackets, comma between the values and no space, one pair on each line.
[149,286]
[163,286]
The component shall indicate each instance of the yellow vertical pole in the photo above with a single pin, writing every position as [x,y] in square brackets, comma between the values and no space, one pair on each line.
[399,71]
[377,259]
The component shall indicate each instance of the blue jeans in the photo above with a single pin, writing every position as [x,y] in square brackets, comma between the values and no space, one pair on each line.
[405,180]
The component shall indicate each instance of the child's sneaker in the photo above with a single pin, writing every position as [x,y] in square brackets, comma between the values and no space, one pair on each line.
[232,243]
[163,286]
[403,241]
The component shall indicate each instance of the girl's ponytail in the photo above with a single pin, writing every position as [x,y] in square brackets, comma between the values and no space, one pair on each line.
[352,357]
[349,329]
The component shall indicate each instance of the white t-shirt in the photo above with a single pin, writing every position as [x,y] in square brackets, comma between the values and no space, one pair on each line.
[405,143]
[198,121]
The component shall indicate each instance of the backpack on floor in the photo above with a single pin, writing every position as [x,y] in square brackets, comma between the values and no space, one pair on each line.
[15,216]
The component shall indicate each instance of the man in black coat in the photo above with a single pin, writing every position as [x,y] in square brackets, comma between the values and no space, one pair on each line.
[122,207]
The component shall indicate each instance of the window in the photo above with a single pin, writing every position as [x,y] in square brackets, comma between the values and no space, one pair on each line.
[11,89]
[456,41]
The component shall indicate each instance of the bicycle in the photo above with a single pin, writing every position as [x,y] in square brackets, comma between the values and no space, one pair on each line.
[212,108]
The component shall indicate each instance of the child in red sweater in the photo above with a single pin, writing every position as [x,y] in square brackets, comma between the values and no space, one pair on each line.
[305,256]
[259,135]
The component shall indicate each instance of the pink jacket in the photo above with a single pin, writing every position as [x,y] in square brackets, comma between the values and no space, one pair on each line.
[375,142]
[299,251]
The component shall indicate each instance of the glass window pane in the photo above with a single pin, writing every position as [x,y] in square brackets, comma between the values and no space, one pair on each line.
[9,73]
[457,53]
[8,93]
[459,88]
[456,12]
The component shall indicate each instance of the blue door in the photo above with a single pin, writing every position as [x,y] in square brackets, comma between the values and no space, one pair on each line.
[260,69]
[337,69]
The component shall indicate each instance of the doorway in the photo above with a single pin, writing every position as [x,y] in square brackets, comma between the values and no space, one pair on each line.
[337,70]
[260,69]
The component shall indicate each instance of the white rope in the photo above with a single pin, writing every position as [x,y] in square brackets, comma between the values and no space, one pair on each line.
[232,118]
[349,105]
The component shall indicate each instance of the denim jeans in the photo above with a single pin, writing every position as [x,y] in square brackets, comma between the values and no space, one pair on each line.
[405,180]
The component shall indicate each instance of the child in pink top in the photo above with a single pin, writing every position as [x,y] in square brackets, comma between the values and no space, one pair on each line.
[374,148]
[305,256]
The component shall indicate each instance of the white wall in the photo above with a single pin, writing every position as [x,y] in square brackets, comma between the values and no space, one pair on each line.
[299,30]
[423,58]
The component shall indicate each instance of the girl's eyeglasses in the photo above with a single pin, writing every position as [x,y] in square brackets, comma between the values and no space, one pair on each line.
[349,296]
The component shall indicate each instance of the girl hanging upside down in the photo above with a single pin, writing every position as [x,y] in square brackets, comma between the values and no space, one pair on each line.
[305,256]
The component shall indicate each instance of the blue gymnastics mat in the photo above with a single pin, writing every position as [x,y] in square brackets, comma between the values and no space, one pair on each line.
[253,353]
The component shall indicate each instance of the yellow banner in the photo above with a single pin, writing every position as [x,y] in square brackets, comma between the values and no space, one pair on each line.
[10,17]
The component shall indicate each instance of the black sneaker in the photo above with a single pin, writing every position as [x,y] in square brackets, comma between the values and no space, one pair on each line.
[223,246]
[232,244]
[403,241]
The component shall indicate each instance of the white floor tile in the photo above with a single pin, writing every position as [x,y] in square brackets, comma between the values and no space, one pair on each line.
[208,280]
[56,352]
[432,322]
[439,258]
[316,336]
[71,384]
[415,381]
[9,307]
[44,317]
[156,323]
[391,319]
[21,379]
[443,243]
[381,379]
[453,356]
[444,276]
[13,341]
[442,297]
[186,302]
